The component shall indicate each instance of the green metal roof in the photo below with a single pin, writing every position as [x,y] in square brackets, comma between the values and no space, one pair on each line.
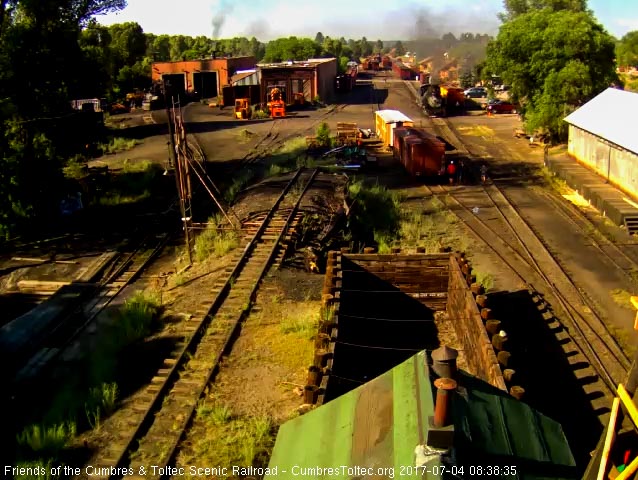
[378,425]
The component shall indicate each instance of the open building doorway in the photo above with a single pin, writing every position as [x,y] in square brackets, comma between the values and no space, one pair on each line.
[205,84]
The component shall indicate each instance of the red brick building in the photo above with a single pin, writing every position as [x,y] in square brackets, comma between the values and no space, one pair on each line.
[311,78]
[205,77]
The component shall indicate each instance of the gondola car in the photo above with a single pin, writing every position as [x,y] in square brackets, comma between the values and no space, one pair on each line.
[421,153]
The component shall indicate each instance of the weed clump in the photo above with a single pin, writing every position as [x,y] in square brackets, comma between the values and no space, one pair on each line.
[46,440]
[117,144]
[323,135]
[233,439]
[214,242]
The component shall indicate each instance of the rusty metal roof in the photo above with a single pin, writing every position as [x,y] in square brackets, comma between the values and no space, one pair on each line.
[380,424]
[610,115]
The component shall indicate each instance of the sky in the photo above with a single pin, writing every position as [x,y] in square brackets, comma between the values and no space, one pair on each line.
[374,19]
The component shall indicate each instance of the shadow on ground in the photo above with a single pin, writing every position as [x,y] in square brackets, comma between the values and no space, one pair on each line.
[379,328]
[543,370]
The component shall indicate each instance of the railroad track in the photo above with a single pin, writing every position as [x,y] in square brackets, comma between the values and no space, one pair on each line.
[63,338]
[607,248]
[156,423]
[519,246]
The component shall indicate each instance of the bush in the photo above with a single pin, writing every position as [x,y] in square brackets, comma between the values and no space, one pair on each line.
[376,215]
[323,135]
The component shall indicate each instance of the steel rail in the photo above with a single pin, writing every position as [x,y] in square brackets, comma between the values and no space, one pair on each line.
[142,420]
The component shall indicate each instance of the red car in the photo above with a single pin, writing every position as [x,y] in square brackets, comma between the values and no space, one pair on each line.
[501,106]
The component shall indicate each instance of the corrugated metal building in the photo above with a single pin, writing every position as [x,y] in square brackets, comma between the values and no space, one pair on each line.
[205,77]
[602,136]
[312,77]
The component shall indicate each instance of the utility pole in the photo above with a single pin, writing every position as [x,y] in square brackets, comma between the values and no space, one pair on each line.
[176,161]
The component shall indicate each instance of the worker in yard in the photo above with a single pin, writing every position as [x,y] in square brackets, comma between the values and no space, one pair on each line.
[483,173]
[459,174]
[451,172]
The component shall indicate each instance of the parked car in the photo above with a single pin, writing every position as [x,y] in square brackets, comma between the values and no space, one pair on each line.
[501,106]
[475,92]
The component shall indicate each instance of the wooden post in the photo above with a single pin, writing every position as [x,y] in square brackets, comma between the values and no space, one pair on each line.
[499,342]
[481,300]
[508,374]
[504,358]
[493,326]
[486,313]
[314,376]
[517,392]
[477,289]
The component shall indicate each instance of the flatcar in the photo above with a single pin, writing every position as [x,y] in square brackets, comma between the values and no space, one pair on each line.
[420,153]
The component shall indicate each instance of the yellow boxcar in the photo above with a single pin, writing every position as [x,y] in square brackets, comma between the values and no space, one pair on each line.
[385,123]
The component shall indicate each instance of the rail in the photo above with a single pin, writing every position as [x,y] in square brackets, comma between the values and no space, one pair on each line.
[66,330]
[157,422]
[603,338]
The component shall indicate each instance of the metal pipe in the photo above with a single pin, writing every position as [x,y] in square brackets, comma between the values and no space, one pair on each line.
[444,387]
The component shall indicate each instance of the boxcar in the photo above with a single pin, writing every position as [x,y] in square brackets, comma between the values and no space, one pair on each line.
[422,154]
[386,121]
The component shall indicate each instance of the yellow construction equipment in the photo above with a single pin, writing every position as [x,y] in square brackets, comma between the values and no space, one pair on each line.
[242,109]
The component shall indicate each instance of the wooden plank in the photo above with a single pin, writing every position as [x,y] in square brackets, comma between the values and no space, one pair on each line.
[611,433]
[628,403]
[46,285]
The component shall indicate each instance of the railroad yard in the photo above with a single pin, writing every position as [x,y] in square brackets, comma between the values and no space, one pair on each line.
[223,360]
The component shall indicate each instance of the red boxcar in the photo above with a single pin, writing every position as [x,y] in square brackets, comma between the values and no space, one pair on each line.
[422,154]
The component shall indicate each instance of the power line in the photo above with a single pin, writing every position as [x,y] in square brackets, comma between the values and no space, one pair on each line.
[380,348]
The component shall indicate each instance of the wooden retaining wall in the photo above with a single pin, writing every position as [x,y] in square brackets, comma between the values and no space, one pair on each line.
[440,282]
[421,276]
[467,317]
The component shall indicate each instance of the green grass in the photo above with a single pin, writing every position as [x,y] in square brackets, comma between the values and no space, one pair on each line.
[118,199]
[46,440]
[622,298]
[85,399]
[431,227]
[76,168]
[137,315]
[554,182]
[486,280]
[245,135]
[118,144]
[237,185]
[214,242]
[232,439]
[135,182]
[260,115]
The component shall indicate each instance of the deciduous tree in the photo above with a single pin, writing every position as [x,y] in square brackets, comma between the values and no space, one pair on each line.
[554,62]
[627,50]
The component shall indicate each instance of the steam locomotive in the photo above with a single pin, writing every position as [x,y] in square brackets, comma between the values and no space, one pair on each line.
[432,100]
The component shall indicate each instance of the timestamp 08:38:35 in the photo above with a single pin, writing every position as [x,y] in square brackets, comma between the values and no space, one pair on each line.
[487,471]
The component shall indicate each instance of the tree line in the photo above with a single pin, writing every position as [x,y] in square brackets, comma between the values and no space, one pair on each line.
[553,52]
